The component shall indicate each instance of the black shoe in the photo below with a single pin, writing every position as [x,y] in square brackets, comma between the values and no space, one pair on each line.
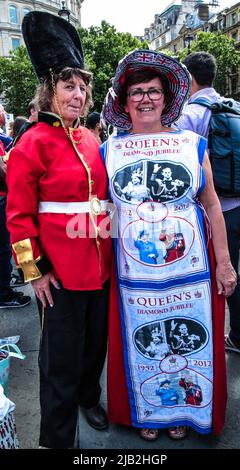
[16,281]
[96,417]
[15,299]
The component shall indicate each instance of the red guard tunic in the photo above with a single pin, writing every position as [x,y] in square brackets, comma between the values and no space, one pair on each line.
[44,166]
[2,152]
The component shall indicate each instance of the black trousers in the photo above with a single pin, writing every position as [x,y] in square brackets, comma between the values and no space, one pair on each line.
[5,253]
[232,220]
[72,354]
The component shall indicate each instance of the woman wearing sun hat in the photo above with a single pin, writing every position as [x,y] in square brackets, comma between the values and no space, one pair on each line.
[147,95]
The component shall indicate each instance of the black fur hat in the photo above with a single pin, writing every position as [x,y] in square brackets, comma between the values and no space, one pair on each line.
[52,43]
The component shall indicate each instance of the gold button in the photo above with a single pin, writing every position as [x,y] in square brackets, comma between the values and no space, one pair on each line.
[95,206]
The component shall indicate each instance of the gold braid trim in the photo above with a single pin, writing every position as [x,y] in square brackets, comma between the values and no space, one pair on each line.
[26,262]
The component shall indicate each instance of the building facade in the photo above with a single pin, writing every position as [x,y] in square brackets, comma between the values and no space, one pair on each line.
[166,26]
[13,11]
[182,20]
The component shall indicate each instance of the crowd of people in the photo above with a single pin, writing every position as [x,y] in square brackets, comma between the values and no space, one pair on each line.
[93,289]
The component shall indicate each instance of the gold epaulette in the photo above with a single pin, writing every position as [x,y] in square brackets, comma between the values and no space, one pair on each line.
[25,260]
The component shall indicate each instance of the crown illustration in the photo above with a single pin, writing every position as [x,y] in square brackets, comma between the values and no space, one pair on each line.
[151,207]
[198,294]
[130,300]
[172,360]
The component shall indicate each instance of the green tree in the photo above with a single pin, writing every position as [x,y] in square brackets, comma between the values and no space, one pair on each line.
[223,49]
[17,81]
[103,48]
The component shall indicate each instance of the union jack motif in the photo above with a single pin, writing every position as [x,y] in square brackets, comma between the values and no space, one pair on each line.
[178,80]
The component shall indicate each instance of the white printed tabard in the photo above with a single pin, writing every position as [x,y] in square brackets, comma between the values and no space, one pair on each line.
[163,277]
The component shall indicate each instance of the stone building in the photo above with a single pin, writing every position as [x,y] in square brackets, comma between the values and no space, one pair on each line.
[181,21]
[13,11]
[166,26]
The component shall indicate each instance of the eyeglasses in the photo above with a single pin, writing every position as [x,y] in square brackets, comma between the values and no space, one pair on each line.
[138,94]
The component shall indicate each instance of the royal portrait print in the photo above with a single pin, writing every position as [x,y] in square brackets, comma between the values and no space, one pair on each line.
[151,181]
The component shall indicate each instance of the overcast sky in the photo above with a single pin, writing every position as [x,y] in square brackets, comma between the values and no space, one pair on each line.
[127,15]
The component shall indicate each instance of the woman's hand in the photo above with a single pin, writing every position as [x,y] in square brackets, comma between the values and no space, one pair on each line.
[42,288]
[226,278]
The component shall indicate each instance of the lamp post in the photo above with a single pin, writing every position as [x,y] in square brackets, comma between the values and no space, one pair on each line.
[64,12]
[188,39]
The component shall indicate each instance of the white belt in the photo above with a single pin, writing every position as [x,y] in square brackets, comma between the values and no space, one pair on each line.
[95,207]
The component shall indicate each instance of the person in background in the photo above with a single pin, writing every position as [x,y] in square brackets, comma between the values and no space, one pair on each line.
[33,111]
[18,124]
[94,125]
[148,92]
[2,152]
[202,67]
[4,138]
[60,181]
[9,298]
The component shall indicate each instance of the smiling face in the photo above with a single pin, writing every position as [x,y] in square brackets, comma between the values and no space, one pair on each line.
[136,180]
[71,98]
[145,114]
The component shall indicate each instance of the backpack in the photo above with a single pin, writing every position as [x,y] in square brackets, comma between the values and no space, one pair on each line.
[224,145]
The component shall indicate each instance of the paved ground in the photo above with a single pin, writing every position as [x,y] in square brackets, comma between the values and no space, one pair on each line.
[24,392]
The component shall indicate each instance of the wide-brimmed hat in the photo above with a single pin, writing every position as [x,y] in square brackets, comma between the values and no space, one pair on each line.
[176,75]
[52,43]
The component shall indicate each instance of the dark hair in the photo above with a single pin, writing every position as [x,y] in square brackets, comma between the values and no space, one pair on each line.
[143,76]
[45,92]
[92,120]
[202,66]
[18,123]
[32,105]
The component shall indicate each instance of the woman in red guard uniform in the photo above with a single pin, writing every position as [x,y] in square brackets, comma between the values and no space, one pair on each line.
[59,223]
